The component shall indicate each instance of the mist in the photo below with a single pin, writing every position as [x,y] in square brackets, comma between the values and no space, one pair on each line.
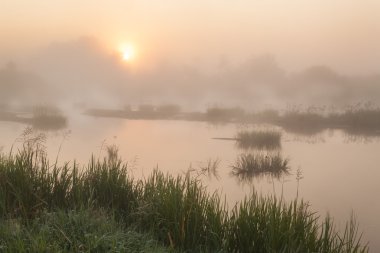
[195,53]
[83,71]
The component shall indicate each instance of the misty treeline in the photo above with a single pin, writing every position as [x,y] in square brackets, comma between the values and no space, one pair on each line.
[82,73]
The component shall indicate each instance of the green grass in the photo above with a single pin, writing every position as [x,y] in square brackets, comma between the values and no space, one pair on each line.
[268,225]
[45,207]
[29,184]
[259,139]
[74,231]
[181,213]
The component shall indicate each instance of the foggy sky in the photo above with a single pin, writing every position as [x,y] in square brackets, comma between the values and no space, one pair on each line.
[227,52]
[343,34]
[82,71]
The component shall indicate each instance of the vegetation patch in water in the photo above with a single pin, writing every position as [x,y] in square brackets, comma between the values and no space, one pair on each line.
[249,166]
[260,139]
[224,114]
[48,118]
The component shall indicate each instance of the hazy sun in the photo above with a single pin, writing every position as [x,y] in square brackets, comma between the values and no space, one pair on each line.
[127,52]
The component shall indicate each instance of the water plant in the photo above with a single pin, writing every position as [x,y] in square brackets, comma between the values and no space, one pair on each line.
[48,118]
[224,114]
[259,139]
[210,168]
[251,165]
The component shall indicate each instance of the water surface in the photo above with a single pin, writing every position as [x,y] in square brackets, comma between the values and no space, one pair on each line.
[340,172]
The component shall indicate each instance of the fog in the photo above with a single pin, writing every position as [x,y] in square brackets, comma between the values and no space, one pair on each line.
[194,53]
[82,71]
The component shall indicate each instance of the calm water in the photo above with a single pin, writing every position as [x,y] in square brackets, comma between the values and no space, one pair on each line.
[340,174]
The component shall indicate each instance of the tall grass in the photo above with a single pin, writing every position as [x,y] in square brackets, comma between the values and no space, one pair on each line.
[29,184]
[182,214]
[268,139]
[74,231]
[267,224]
[177,211]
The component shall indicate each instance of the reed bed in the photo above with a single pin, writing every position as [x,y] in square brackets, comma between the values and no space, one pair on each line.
[177,212]
[357,119]
[259,139]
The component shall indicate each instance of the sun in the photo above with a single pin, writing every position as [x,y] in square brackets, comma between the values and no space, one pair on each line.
[128,52]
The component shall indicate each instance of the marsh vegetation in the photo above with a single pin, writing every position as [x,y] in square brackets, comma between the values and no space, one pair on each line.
[48,118]
[259,139]
[246,168]
[356,119]
[252,165]
[42,117]
[41,201]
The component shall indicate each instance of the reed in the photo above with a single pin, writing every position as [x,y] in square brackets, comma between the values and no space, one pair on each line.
[266,224]
[29,184]
[43,202]
[181,213]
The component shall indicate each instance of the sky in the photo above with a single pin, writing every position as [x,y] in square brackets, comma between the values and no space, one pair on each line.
[343,34]
[196,53]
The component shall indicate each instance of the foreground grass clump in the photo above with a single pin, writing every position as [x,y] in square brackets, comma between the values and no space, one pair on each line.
[68,208]
[29,184]
[268,225]
[182,214]
[259,139]
[73,231]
